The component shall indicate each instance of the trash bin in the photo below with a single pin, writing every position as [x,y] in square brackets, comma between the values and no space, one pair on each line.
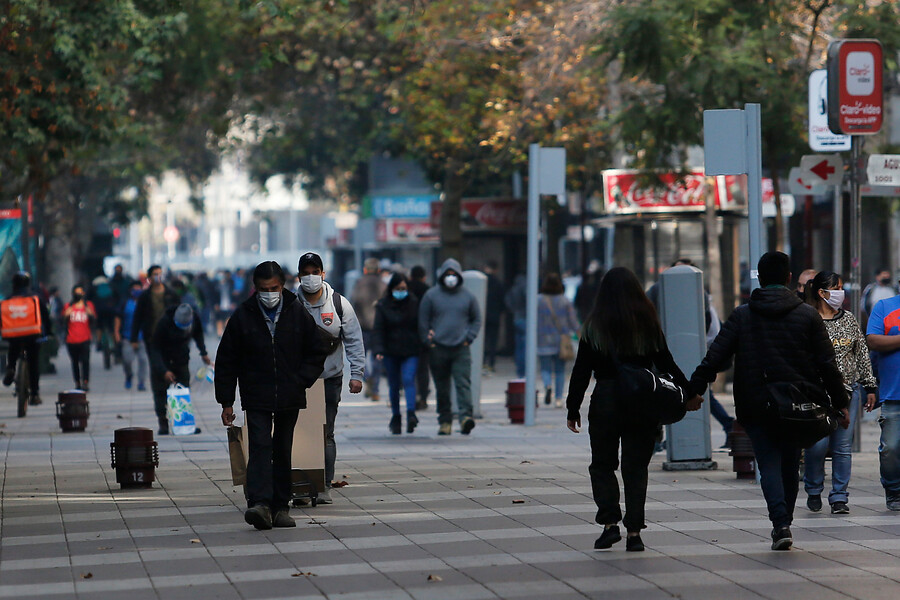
[135,457]
[72,410]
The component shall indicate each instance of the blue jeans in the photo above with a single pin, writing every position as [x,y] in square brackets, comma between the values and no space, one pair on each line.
[839,442]
[778,461]
[401,372]
[551,364]
[889,448]
[520,347]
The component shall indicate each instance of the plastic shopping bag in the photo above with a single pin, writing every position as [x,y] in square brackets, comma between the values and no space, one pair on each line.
[179,410]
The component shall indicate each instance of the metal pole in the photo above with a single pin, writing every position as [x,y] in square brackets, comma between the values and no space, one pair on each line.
[855,229]
[754,187]
[531,285]
[838,230]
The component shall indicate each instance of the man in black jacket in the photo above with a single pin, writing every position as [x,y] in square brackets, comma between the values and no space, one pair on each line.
[272,349]
[774,338]
[169,352]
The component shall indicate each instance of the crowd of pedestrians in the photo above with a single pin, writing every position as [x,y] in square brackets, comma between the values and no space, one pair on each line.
[280,333]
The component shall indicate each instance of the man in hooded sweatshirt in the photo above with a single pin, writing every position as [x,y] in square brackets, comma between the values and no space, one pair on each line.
[170,352]
[449,321]
[340,331]
[774,338]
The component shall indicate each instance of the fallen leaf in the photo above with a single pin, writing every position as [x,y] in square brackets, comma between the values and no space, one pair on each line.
[490,484]
[104,547]
[339,484]
[525,462]
[195,541]
[714,540]
[307,574]
[497,493]
[373,524]
[119,417]
[87,575]
[471,487]
[346,477]
[314,522]
[435,578]
[518,502]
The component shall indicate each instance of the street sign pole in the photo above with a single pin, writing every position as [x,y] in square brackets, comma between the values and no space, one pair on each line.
[754,187]
[855,227]
[838,229]
[531,283]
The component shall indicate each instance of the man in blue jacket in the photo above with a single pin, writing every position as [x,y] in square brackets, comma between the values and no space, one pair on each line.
[271,348]
[449,321]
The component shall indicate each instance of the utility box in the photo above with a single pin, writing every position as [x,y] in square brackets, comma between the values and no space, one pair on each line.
[683,318]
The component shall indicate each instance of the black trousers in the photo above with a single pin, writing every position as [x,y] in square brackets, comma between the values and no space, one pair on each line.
[491,337]
[606,429]
[159,386]
[30,345]
[271,435]
[80,355]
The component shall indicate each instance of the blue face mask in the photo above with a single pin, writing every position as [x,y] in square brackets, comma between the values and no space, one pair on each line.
[135,293]
[400,294]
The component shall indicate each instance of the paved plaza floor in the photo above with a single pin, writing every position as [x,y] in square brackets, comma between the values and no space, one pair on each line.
[503,513]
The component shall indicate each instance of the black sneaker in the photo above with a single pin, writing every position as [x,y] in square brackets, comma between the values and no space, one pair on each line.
[35,400]
[394,425]
[610,536]
[814,502]
[781,539]
[9,377]
[840,508]
[892,502]
[548,395]
[634,543]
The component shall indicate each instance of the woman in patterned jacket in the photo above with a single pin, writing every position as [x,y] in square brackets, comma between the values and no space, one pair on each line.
[825,293]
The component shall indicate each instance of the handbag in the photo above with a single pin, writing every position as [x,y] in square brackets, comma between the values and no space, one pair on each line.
[647,397]
[236,454]
[566,347]
[800,410]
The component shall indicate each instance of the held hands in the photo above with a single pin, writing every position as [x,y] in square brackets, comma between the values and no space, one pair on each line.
[355,386]
[871,399]
[227,416]
[694,403]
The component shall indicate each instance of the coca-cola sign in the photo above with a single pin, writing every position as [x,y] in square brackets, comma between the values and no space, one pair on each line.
[404,230]
[487,214]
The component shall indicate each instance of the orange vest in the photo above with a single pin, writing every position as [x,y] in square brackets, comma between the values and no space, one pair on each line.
[21,316]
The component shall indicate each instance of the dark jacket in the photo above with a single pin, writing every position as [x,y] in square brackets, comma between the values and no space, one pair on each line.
[273,372]
[775,336]
[171,346]
[418,287]
[589,361]
[396,330]
[143,313]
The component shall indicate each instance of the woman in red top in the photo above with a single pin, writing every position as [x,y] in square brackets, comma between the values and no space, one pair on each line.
[79,313]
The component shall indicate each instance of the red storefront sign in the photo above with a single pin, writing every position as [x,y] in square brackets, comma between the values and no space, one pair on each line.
[487,215]
[624,192]
[393,231]
[855,94]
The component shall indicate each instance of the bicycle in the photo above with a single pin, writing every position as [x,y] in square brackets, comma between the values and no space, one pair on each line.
[22,390]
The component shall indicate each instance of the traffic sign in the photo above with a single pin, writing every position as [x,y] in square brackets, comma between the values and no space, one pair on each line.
[822,169]
[855,97]
[821,138]
[884,169]
[800,187]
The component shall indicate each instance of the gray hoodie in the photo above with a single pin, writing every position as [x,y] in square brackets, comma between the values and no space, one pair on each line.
[326,317]
[453,314]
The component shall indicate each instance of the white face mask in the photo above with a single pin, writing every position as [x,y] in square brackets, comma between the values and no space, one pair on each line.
[451,281]
[311,283]
[270,299]
[836,299]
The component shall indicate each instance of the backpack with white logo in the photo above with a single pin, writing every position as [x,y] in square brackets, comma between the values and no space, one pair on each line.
[20,316]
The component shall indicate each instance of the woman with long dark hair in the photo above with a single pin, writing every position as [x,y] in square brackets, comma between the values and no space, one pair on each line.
[825,293]
[395,342]
[622,327]
[556,319]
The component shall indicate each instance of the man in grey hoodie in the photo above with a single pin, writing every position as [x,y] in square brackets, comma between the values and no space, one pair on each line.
[340,329]
[449,321]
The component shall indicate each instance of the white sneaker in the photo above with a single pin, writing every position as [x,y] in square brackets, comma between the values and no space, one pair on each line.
[324,498]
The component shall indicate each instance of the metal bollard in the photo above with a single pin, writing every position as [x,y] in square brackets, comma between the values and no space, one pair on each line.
[742,452]
[135,457]
[72,410]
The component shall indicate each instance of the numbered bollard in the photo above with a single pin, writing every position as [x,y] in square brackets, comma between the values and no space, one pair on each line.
[72,410]
[135,457]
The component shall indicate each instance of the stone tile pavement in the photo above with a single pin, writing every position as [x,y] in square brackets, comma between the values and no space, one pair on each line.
[504,513]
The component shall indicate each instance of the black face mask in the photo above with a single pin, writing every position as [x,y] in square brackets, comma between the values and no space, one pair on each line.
[77,297]
[885,281]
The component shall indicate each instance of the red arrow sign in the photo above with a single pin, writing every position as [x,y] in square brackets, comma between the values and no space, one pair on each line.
[823,170]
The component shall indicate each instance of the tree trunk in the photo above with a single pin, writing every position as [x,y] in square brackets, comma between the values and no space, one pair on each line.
[451,211]
[779,215]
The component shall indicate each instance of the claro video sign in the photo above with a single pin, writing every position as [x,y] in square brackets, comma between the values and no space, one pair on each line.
[855,99]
